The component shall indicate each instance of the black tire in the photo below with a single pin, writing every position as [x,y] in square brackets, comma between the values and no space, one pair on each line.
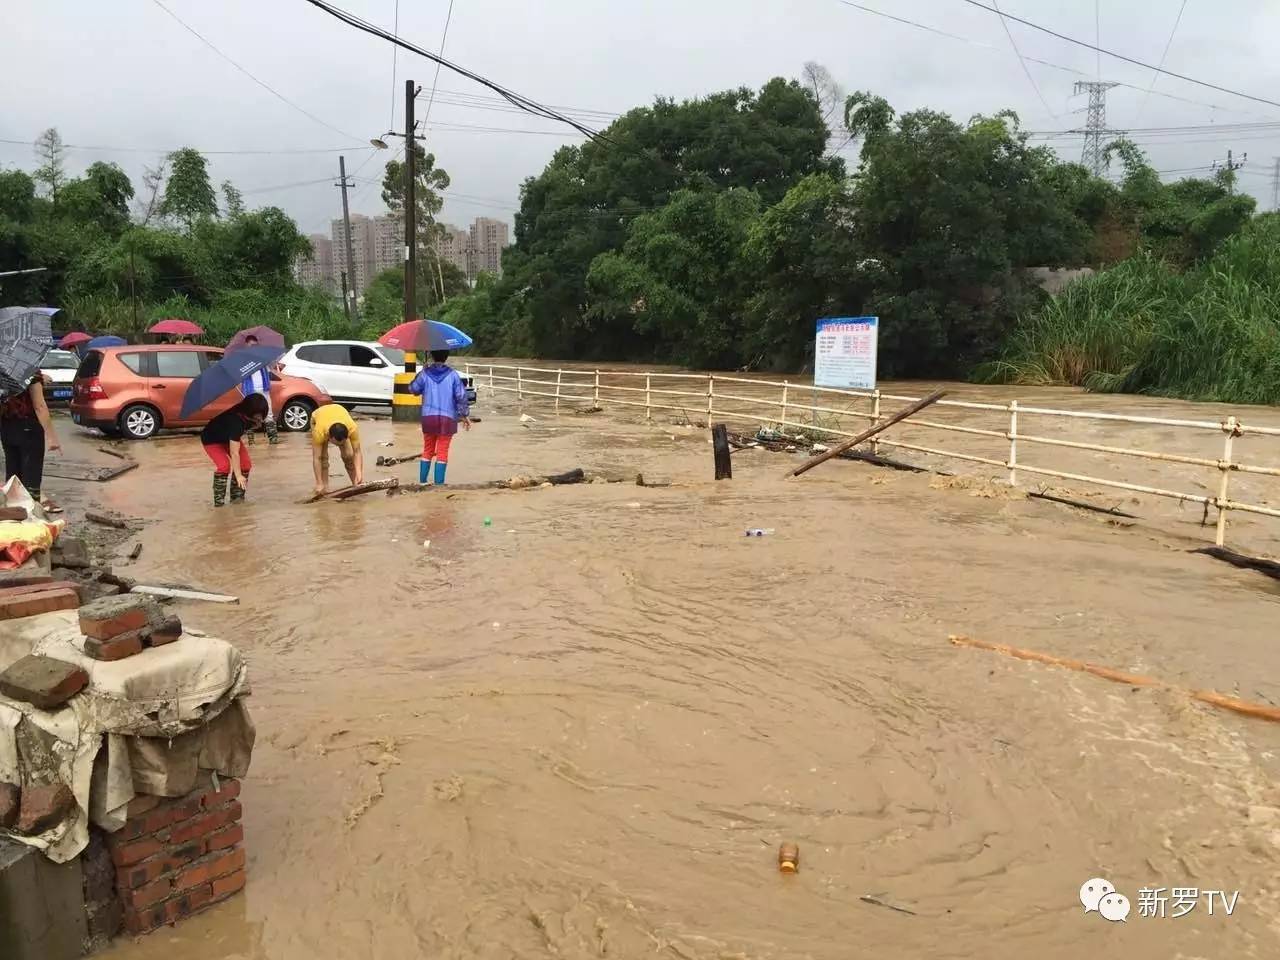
[139,422]
[111,433]
[295,415]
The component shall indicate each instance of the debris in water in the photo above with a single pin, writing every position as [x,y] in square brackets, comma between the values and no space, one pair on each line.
[488,521]
[426,544]
[760,532]
[875,899]
[450,789]
[789,857]
[525,418]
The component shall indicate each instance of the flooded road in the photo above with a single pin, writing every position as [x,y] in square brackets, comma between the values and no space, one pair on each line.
[582,730]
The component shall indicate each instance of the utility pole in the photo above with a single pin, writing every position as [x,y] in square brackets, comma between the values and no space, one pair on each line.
[347,306]
[404,405]
[133,293]
[1095,127]
[1275,186]
[1231,166]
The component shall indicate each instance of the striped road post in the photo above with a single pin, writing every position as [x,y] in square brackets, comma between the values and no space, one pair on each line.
[404,405]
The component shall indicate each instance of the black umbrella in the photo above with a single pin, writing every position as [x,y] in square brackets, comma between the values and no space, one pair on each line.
[25,337]
[226,375]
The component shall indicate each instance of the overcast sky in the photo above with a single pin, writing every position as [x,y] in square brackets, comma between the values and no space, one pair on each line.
[125,74]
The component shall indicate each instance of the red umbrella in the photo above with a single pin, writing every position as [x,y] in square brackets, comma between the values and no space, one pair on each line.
[266,338]
[178,327]
[73,339]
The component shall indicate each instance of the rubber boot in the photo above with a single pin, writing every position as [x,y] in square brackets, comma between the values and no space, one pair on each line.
[424,471]
[440,468]
[237,491]
[273,434]
[219,489]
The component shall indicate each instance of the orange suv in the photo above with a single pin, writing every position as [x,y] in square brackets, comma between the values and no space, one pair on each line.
[136,390]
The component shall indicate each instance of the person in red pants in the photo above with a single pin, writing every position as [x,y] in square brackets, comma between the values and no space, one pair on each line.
[223,440]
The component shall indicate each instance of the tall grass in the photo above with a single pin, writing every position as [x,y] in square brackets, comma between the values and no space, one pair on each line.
[1212,333]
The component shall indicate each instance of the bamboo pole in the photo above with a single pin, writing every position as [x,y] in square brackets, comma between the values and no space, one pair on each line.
[1211,697]
[1013,443]
[867,434]
[1220,535]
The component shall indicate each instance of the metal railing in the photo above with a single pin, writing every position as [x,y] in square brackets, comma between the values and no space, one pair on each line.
[659,392]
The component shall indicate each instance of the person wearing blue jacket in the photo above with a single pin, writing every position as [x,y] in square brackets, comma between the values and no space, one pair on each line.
[444,406]
[260,382]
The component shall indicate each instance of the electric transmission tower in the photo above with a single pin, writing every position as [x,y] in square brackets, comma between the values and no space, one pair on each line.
[1095,128]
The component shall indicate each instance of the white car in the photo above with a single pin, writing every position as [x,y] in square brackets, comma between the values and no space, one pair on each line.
[59,369]
[352,372]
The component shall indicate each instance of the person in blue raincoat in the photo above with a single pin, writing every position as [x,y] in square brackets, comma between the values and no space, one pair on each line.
[444,406]
[260,382]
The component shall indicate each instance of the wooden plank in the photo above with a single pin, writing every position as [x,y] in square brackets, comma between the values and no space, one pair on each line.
[174,593]
[721,452]
[867,434]
[79,470]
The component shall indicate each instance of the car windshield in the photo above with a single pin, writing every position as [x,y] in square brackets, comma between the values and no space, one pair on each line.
[393,356]
[59,360]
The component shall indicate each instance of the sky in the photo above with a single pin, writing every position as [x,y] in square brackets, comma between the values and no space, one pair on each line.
[128,76]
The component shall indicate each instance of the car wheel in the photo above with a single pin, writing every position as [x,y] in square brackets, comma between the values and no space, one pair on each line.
[139,422]
[296,415]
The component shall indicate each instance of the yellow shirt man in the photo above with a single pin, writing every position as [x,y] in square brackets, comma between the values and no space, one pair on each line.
[332,424]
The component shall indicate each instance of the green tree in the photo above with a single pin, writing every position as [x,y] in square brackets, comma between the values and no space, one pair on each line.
[232,200]
[52,171]
[99,200]
[188,195]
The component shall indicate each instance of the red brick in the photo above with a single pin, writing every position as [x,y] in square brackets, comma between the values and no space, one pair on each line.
[217,865]
[127,854]
[171,911]
[227,837]
[44,682]
[228,790]
[117,648]
[143,803]
[44,806]
[172,860]
[169,812]
[34,604]
[149,895]
[10,804]
[13,513]
[207,824]
[167,631]
[186,904]
[111,616]
[38,588]
[226,886]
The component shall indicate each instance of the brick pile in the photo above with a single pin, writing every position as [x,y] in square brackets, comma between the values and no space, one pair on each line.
[176,857]
[30,599]
[118,627]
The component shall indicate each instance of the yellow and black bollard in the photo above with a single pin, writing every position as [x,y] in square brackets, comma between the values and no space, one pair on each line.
[405,407]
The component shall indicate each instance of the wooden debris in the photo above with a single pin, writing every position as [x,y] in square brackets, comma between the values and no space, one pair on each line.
[392,461]
[877,900]
[175,593]
[114,453]
[868,433]
[576,475]
[1269,567]
[346,493]
[78,470]
[120,523]
[720,451]
[1110,511]
[136,552]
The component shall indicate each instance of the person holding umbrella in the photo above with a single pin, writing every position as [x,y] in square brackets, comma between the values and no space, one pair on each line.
[26,429]
[223,442]
[223,437]
[259,382]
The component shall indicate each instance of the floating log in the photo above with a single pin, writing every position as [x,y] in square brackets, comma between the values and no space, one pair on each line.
[868,433]
[392,461]
[1269,567]
[721,452]
[576,475]
[1110,511]
[345,493]
[176,593]
[1211,697]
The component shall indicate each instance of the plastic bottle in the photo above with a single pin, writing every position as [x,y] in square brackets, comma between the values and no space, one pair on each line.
[760,532]
[788,857]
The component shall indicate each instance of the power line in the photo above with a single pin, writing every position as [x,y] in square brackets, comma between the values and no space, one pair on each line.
[448,18]
[211,153]
[516,99]
[1120,56]
[1164,56]
[1030,79]
[263,84]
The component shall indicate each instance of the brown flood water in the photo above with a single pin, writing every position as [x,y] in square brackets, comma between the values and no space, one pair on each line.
[583,731]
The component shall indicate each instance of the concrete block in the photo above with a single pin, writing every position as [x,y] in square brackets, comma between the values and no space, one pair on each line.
[42,913]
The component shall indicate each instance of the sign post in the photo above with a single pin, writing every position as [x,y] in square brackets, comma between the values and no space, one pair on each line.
[844,353]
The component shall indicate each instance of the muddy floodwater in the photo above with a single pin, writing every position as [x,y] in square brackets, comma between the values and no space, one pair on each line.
[578,722]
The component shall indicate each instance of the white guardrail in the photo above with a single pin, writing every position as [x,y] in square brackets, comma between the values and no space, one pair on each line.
[598,388]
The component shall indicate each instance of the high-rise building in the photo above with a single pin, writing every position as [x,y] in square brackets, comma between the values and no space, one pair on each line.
[377,243]
[488,237]
[317,269]
[455,247]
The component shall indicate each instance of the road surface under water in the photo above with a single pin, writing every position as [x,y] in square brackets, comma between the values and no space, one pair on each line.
[583,729]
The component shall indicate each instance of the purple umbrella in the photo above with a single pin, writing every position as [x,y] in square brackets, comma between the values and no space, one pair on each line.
[266,338]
